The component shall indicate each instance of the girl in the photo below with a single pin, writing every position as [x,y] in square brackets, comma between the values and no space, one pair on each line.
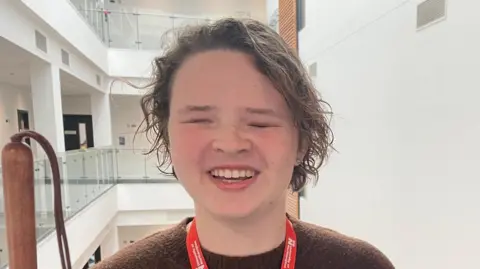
[234,112]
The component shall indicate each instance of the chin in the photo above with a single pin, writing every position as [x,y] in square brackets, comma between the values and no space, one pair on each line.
[231,211]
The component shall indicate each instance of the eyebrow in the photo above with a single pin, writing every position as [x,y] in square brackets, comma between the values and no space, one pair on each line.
[191,108]
[249,110]
[262,111]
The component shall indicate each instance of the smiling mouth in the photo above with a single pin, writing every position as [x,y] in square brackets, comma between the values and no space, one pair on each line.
[233,175]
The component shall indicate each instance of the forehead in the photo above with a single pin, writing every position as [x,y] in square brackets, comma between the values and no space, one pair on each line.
[223,76]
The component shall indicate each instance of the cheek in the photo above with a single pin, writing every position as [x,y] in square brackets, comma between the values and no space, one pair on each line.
[279,147]
[186,145]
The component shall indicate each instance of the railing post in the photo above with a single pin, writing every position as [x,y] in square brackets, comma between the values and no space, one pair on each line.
[145,168]
[138,41]
[18,190]
[66,187]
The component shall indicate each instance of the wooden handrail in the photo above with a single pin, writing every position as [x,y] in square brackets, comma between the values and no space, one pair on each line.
[18,189]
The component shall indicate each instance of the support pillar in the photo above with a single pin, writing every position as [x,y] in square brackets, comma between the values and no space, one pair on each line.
[48,121]
[47,103]
[101,119]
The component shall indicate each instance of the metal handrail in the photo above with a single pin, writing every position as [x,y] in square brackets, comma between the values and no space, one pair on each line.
[173,16]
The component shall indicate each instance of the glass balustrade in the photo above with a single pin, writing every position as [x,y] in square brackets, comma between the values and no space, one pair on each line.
[131,29]
[91,11]
[134,166]
[85,175]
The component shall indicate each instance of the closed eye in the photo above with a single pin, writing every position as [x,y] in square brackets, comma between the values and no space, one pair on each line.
[262,125]
[198,121]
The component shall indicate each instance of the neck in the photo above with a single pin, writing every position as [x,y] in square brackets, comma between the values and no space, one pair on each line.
[242,237]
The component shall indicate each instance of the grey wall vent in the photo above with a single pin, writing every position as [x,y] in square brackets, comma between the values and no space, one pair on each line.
[312,70]
[99,80]
[65,58]
[430,11]
[41,41]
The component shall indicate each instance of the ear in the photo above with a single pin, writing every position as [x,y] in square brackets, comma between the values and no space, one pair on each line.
[302,151]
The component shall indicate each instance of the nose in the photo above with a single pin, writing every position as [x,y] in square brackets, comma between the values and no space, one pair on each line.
[230,140]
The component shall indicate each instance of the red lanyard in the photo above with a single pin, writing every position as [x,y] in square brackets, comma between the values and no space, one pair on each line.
[197,260]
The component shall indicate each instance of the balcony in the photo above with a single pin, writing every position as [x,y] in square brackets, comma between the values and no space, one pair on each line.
[140,25]
[85,176]
[134,30]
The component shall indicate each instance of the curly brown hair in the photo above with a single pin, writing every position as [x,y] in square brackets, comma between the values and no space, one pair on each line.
[273,58]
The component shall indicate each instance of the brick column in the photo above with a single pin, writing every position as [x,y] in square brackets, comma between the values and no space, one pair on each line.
[292,204]
[287,21]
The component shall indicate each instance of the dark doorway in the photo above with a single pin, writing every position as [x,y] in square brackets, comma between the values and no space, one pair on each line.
[94,259]
[23,122]
[78,131]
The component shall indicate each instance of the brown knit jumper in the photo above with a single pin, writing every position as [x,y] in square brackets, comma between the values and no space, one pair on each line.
[318,248]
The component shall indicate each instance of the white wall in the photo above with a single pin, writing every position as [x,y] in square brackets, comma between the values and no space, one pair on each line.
[77,32]
[11,99]
[131,63]
[167,196]
[110,244]
[102,119]
[153,217]
[126,118]
[76,105]
[19,25]
[406,108]
[129,86]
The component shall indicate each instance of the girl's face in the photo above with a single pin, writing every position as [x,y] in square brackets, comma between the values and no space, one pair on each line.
[232,138]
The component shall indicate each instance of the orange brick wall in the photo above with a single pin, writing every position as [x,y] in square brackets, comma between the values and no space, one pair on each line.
[292,205]
[287,20]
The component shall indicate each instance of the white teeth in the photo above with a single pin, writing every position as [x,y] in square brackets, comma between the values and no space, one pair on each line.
[232,173]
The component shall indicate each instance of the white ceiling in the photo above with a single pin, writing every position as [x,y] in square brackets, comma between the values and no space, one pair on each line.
[73,86]
[14,63]
[15,70]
